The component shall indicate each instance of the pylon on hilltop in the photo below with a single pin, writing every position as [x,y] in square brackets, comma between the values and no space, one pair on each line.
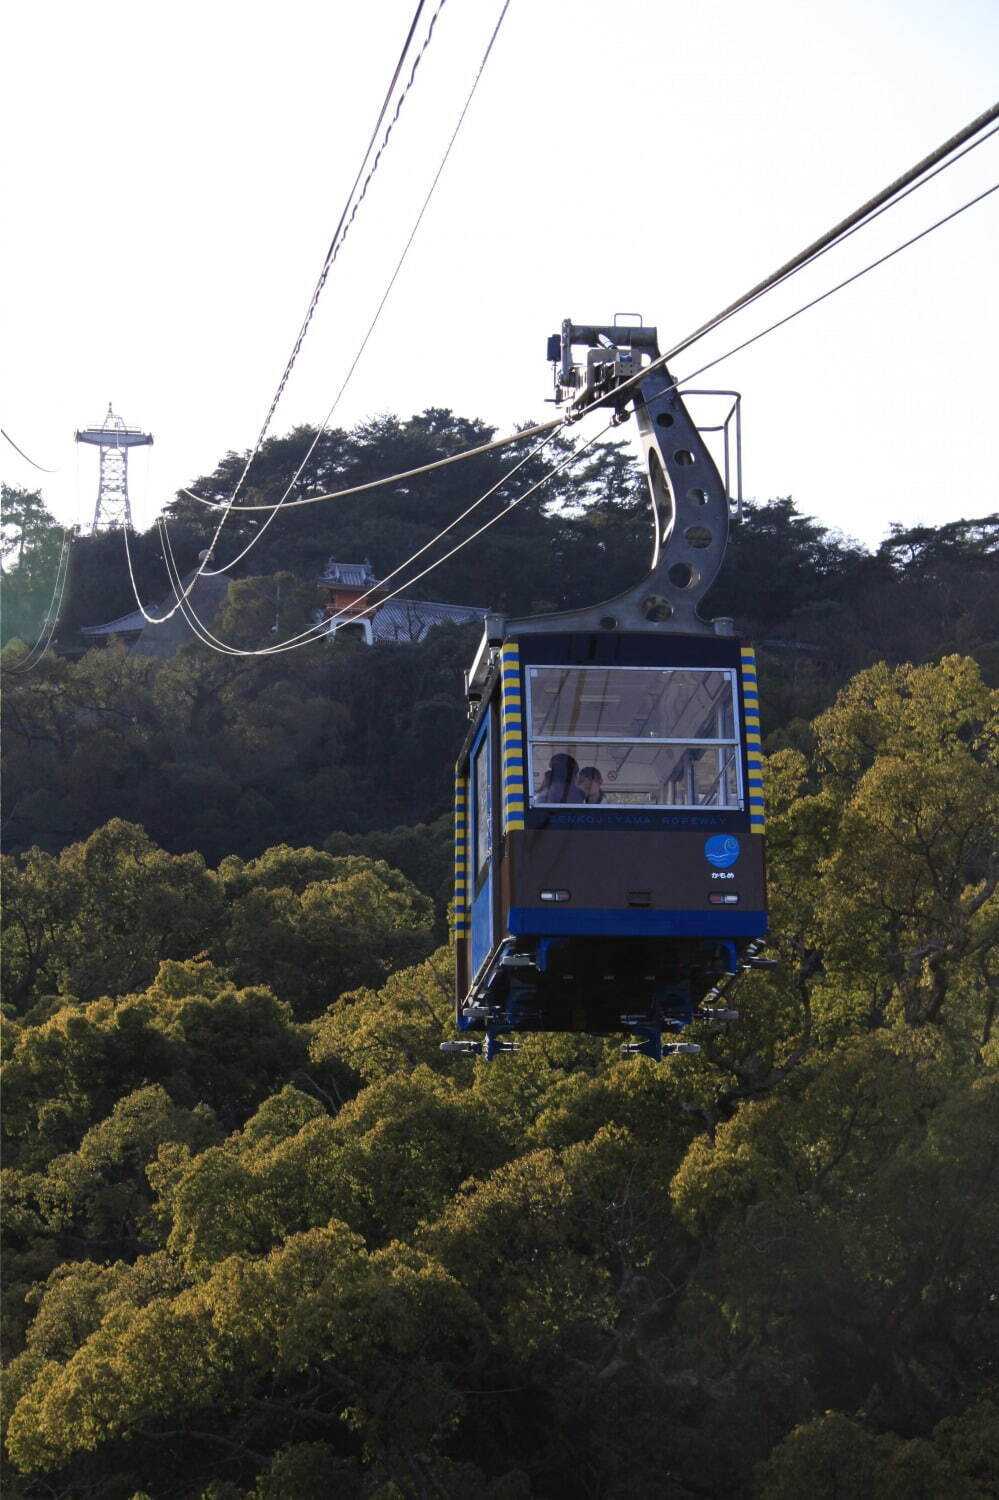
[114,439]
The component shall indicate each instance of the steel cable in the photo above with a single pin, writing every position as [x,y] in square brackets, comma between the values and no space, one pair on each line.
[48,629]
[827,242]
[344,226]
[324,627]
[41,467]
[377,484]
[213,573]
[861,216]
[840,232]
[334,250]
[316,631]
[915,177]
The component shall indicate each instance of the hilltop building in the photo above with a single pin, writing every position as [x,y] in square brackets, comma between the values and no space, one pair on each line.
[356,600]
[351,599]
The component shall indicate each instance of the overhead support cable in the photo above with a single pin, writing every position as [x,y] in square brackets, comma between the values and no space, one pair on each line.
[51,621]
[658,363]
[848,225]
[347,216]
[856,220]
[878,205]
[210,573]
[41,467]
[323,628]
[377,484]
[314,632]
[143,611]
[349,212]
[886,198]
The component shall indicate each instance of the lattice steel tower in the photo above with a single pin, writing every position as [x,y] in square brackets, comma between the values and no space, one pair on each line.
[114,440]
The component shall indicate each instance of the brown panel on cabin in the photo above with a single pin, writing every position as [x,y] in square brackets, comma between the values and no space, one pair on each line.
[605,868]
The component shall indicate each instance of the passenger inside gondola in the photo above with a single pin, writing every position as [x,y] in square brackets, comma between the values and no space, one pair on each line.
[663,736]
[591,784]
[559,783]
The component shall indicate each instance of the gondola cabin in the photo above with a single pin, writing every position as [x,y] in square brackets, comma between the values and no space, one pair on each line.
[609,846]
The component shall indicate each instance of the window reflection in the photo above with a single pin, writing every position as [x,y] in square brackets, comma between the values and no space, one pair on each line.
[480,775]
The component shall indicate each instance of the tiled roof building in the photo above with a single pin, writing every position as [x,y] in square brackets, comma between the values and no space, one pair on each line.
[352,598]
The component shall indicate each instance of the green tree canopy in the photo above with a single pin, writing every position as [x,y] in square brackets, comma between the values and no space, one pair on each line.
[254,1252]
[31,544]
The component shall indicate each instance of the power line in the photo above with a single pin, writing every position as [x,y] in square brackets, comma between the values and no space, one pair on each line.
[384,298]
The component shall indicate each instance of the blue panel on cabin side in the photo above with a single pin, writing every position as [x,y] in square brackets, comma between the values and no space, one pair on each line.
[482,926]
[562,921]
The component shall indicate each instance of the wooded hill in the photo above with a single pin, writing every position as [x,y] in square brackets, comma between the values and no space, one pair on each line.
[230,755]
[265,1243]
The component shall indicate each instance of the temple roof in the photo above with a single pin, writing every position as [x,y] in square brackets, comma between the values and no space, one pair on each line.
[411,619]
[399,619]
[349,575]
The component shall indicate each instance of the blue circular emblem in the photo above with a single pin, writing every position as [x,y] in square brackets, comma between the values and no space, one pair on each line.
[722,850]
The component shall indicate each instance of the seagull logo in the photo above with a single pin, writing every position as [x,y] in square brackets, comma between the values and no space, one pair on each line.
[722,850]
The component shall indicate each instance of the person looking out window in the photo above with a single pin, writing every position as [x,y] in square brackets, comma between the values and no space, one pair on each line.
[559,784]
[591,784]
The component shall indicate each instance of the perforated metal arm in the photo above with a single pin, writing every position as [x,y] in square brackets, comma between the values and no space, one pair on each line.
[690,504]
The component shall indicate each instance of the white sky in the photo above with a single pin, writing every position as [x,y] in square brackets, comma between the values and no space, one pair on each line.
[172,175]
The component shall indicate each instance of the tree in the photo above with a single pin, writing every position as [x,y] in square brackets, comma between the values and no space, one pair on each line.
[24,519]
[192,1030]
[31,543]
[906,791]
[249,1251]
[99,919]
[835,1455]
[779,560]
[349,929]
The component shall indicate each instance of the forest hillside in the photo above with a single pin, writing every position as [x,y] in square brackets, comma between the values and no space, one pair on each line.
[227,754]
[263,1240]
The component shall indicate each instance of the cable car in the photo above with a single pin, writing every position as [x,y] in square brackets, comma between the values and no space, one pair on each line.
[609,843]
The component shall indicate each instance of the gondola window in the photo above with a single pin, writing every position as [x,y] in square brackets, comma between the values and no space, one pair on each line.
[483,817]
[660,737]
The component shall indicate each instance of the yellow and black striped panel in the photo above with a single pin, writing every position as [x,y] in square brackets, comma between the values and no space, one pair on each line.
[754,745]
[461,922]
[512,754]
